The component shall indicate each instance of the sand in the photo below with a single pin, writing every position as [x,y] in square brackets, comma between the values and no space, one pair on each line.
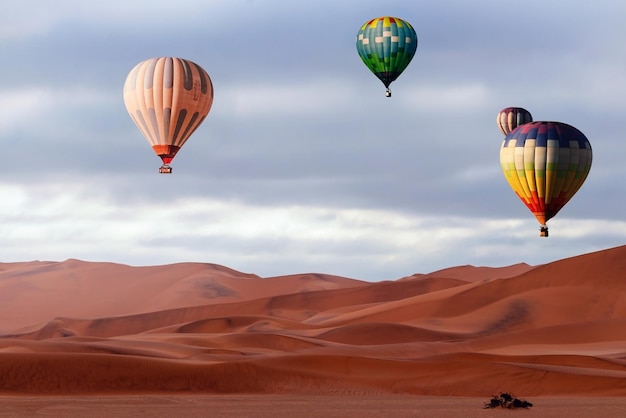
[83,338]
[290,406]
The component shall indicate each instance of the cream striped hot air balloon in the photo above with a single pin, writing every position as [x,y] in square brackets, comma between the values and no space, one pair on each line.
[168,98]
[510,118]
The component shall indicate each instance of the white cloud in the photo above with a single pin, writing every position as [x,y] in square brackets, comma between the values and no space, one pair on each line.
[58,110]
[37,17]
[317,97]
[455,99]
[19,106]
[61,221]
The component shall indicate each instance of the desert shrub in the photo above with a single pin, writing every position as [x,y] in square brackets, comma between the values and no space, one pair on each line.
[506,400]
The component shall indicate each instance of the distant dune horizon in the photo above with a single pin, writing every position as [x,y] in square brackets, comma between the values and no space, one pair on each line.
[556,329]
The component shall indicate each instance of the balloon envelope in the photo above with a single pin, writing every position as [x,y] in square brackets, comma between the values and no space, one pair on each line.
[510,118]
[386,45]
[168,98]
[545,163]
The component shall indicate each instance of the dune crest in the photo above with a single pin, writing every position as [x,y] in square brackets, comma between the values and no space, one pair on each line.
[83,327]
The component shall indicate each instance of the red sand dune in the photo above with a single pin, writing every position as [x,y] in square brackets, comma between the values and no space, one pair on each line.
[76,327]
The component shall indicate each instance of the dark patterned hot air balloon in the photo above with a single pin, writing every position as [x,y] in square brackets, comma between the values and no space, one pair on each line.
[510,118]
[545,163]
[168,98]
[387,46]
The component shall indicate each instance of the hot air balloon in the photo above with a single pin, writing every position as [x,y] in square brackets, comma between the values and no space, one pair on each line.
[387,46]
[168,98]
[545,163]
[510,118]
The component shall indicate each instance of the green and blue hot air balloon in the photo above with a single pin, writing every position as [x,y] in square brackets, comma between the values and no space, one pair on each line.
[387,46]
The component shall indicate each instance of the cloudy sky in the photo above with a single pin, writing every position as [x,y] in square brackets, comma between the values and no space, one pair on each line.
[303,164]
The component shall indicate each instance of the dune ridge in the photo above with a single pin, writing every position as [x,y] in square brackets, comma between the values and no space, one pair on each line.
[556,329]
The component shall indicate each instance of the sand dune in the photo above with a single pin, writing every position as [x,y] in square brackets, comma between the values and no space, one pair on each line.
[77,327]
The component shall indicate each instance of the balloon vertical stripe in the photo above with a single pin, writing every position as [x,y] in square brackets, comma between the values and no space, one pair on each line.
[179,125]
[168,74]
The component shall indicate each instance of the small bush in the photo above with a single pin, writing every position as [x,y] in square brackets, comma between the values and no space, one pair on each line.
[506,400]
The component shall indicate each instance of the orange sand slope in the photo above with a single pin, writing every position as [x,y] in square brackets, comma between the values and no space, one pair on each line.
[550,330]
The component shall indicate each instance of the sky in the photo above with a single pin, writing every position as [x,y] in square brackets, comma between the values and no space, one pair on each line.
[303,165]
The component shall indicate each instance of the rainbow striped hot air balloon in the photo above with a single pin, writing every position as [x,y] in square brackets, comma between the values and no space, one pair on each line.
[510,118]
[168,98]
[545,164]
[386,45]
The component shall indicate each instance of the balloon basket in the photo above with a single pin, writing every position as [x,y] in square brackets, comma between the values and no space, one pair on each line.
[388,93]
[543,231]
[165,169]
